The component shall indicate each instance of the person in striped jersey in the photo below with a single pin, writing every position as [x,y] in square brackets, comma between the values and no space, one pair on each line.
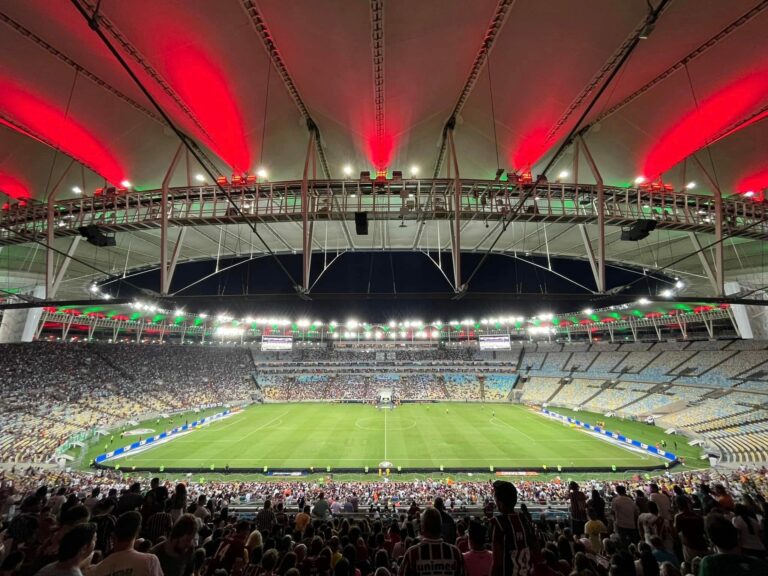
[515,548]
[432,556]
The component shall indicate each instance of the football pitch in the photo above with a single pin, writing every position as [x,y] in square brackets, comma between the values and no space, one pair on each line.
[355,436]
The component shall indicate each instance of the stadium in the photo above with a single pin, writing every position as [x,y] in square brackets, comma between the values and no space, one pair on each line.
[381,256]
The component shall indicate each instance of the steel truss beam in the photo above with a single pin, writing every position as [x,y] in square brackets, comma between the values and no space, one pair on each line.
[492,32]
[600,216]
[260,26]
[79,69]
[427,200]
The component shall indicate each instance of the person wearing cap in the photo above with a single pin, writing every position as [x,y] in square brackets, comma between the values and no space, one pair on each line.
[512,536]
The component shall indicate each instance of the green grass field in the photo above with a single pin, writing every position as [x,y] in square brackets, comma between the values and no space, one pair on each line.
[411,436]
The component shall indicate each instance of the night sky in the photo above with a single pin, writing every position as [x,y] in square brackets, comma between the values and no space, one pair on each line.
[379,286]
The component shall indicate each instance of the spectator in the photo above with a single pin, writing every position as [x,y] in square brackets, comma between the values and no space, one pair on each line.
[176,553]
[577,507]
[511,535]
[478,560]
[728,558]
[321,509]
[689,526]
[265,519]
[302,519]
[124,559]
[650,524]
[432,556]
[625,514]
[595,529]
[232,552]
[750,532]
[662,554]
[448,525]
[75,551]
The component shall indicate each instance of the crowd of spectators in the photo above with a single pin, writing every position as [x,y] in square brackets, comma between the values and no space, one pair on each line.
[57,523]
[50,391]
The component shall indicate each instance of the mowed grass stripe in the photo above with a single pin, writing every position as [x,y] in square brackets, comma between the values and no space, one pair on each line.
[418,435]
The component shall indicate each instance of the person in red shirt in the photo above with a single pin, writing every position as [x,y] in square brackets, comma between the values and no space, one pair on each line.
[478,560]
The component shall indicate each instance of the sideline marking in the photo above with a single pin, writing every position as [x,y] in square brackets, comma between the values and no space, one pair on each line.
[512,428]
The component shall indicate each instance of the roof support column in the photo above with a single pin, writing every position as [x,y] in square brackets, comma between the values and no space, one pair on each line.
[50,229]
[703,259]
[456,229]
[590,253]
[600,217]
[164,277]
[306,225]
[62,271]
[174,259]
[719,272]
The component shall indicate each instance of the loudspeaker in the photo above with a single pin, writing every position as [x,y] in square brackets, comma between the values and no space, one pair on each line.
[95,236]
[639,230]
[361,223]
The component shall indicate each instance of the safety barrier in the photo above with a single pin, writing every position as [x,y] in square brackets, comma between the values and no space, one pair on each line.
[618,438]
[142,444]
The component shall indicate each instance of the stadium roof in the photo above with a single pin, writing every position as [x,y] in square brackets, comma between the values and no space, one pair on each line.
[380,81]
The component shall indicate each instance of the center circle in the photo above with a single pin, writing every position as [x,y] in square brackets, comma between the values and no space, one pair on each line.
[394,423]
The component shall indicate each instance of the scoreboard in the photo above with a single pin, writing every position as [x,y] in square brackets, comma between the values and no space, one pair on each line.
[500,342]
[276,343]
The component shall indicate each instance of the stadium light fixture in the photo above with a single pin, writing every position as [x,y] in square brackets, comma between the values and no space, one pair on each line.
[588,311]
[643,301]
[94,288]
[563,174]
[199,177]
[125,183]
[178,312]
[352,323]
[77,190]
[403,334]
[639,179]
[107,296]
[347,170]
[367,335]
[392,323]
[679,284]
[303,323]
[333,324]
[378,335]
[749,193]
[414,170]
[690,186]
[666,293]
[261,173]
[202,315]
